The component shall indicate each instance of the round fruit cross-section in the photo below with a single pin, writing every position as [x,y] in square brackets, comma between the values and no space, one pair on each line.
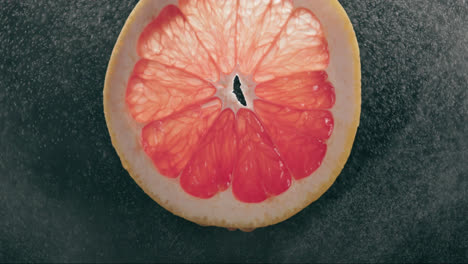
[234,113]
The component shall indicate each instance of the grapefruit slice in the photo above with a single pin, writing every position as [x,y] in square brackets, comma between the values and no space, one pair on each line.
[234,113]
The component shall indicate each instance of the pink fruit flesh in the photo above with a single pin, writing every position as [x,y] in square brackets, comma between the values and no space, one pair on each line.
[170,142]
[258,24]
[214,23]
[260,172]
[167,39]
[304,90]
[156,91]
[186,131]
[300,135]
[210,168]
[301,46]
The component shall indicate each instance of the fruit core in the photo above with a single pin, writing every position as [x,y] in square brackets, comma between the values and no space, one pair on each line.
[236,91]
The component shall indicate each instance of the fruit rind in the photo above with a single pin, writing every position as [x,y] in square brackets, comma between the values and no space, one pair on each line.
[267,220]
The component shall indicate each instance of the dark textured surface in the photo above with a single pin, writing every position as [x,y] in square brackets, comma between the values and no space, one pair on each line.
[402,196]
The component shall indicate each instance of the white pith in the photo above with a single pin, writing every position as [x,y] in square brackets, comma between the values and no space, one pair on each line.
[223,209]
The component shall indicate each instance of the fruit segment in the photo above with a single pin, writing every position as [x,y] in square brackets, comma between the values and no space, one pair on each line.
[214,22]
[156,91]
[301,46]
[170,40]
[304,90]
[170,142]
[299,135]
[210,168]
[259,172]
[258,24]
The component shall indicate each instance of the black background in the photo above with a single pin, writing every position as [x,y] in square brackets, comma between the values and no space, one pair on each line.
[64,195]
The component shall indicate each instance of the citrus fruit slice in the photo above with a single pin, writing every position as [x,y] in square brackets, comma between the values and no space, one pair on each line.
[234,113]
